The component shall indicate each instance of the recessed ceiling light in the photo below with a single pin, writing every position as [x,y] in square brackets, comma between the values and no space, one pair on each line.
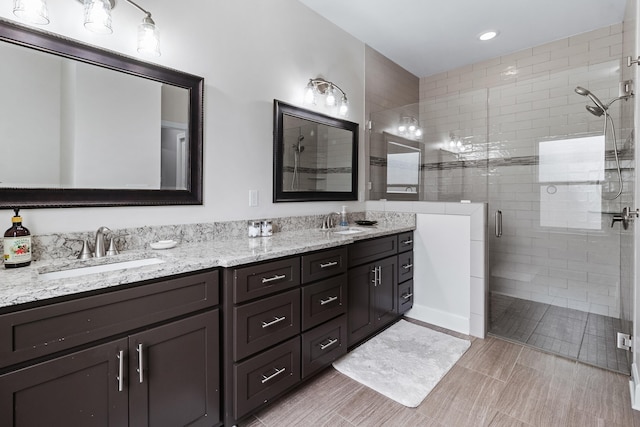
[487,35]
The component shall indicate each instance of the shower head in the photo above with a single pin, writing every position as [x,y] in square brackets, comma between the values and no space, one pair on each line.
[596,111]
[299,148]
[585,92]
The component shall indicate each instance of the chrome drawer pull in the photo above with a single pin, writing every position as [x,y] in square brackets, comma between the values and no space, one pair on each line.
[273,322]
[272,376]
[328,300]
[407,242]
[407,266]
[120,376]
[271,279]
[329,264]
[140,370]
[407,296]
[331,342]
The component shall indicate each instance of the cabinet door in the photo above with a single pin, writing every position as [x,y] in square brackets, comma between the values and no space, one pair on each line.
[360,318]
[385,307]
[174,373]
[85,388]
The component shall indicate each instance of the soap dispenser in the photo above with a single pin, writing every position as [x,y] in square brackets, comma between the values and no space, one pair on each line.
[344,223]
[17,244]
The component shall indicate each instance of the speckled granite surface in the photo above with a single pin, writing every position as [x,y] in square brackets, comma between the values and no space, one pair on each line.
[201,246]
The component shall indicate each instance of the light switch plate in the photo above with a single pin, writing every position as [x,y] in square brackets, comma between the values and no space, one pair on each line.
[253,198]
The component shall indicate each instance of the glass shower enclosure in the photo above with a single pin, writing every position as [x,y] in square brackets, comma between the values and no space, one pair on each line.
[560,259]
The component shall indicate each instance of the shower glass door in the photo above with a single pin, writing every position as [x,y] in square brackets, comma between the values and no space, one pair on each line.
[559,280]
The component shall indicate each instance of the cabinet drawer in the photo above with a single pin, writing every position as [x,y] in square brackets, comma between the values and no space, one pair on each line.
[373,249]
[405,266]
[265,376]
[405,241]
[321,265]
[405,296]
[260,324]
[44,330]
[323,345]
[264,279]
[323,301]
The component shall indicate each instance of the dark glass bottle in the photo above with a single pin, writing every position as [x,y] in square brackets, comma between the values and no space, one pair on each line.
[17,244]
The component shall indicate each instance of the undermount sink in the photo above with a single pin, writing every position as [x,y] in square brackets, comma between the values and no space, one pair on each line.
[350,230]
[93,269]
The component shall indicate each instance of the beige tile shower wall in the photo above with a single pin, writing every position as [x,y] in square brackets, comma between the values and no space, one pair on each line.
[531,99]
[387,86]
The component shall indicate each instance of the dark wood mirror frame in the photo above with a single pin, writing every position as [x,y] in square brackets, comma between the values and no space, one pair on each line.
[279,194]
[56,197]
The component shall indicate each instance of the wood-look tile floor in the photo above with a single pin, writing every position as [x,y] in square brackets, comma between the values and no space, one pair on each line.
[496,383]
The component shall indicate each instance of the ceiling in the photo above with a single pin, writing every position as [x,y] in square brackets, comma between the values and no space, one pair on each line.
[428,36]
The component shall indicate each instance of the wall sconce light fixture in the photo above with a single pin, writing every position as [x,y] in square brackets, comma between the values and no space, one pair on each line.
[319,87]
[457,145]
[409,127]
[97,19]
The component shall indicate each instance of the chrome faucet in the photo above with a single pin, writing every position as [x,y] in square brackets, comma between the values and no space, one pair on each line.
[100,250]
[328,223]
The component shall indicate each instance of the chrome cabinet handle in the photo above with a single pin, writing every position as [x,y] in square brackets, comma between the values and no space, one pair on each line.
[140,362]
[273,322]
[498,223]
[328,300]
[271,279]
[407,242]
[272,376]
[331,342]
[120,376]
[407,296]
[329,264]
[379,275]
[407,266]
[375,276]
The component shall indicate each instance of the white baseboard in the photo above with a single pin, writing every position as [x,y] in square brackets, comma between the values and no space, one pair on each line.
[439,318]
[634,387]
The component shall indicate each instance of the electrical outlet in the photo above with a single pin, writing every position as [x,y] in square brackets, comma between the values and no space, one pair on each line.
[253,198]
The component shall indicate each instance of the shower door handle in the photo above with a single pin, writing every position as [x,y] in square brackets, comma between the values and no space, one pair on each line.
[498,223]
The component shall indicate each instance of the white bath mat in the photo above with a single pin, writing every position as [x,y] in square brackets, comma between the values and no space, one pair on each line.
[403,362]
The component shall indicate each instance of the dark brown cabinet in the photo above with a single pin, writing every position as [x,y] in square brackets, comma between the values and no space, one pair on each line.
[284,321]
[372,298]
[163,372]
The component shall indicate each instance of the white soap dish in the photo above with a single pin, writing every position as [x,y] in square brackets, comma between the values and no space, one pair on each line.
[163,244]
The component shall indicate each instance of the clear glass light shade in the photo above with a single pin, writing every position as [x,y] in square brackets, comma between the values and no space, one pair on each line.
[330,100]
[97,16]
[32,11]
[309,94]
[343,110]
[148,38]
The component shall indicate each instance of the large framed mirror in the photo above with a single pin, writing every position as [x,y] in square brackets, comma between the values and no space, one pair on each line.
[82,126]
[315,156]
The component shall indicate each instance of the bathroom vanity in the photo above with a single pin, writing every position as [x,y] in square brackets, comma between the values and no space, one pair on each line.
[200,339]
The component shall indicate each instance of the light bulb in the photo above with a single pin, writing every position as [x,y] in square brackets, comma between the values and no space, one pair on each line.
[32,11]
[418,132]
[402,128]
[97,16]
[412,128]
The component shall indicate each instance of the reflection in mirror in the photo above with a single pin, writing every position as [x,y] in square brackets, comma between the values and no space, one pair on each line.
[403,168]
[315,156]
[97,128]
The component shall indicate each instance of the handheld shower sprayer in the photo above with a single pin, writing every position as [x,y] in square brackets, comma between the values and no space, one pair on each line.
[593,110]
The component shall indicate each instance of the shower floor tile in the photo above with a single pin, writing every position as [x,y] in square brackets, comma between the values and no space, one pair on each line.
[587,337]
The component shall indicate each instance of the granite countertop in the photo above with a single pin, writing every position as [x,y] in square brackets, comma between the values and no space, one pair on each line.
[25,285]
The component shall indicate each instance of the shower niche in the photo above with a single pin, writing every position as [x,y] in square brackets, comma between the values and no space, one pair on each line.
[315,156]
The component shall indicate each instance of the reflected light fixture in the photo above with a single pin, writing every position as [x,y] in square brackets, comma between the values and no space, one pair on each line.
[97,19]
[319,87]
[409,127]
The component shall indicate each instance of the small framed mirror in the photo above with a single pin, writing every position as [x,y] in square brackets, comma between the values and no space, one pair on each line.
[315,156]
